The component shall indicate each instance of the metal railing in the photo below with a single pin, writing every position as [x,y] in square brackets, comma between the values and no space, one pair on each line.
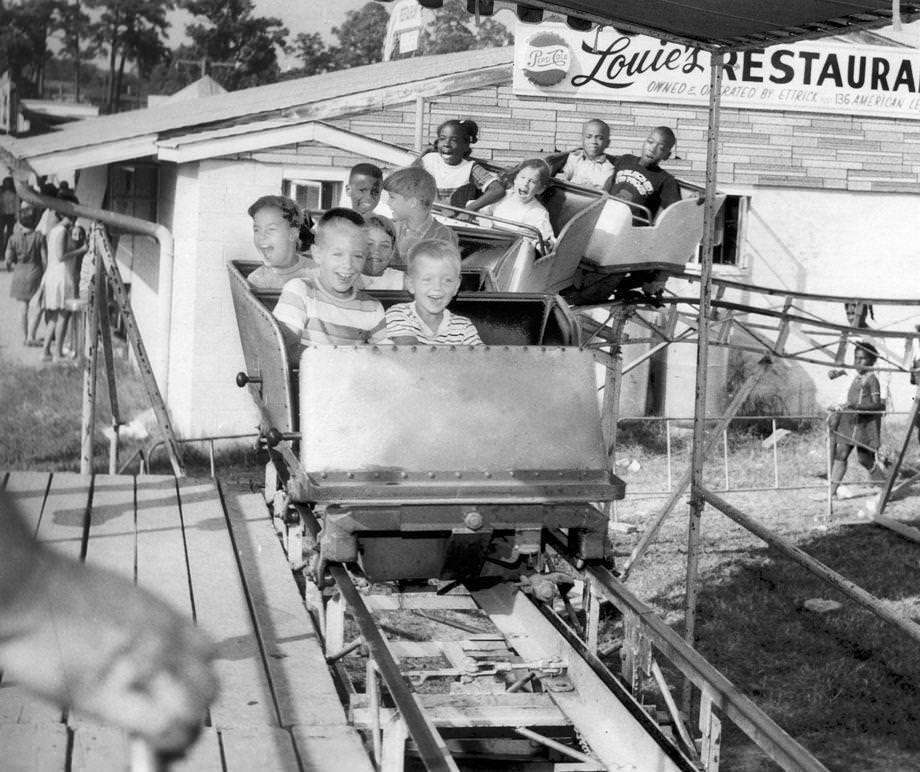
[775,448]
[144,455]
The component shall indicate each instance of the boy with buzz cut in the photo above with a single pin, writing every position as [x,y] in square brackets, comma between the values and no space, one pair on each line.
[276,222]
[364,185]
[412,190]
[325,307]
[433,279]
[640,179]
[588,166]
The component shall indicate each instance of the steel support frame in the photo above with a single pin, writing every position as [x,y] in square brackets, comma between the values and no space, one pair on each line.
[698,455]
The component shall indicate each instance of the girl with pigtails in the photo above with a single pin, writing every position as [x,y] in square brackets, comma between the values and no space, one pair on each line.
[461,181]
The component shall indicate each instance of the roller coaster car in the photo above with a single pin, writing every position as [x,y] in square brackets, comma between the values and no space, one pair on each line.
[604,246]
[438,462]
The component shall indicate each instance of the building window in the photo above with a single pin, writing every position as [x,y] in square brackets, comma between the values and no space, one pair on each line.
[132,190]
[729,234]
[313,195]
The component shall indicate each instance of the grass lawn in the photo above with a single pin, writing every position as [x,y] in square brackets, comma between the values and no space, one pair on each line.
[843,683]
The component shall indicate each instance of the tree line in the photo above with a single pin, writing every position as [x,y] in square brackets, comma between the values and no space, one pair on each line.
[55,46]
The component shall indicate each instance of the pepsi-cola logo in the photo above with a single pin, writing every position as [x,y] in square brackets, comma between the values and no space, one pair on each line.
[547,59]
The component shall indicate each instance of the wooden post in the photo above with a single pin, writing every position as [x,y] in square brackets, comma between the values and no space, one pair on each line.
[893,472]
[702,361]
[419,123]
[87,429]
[825,574]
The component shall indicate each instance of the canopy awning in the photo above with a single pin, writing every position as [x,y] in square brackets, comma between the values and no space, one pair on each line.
[715,24]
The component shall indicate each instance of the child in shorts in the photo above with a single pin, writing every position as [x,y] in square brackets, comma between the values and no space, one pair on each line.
[857,421]
[325,307]
[412,190]
[520,202]
[433,279]
[276,222]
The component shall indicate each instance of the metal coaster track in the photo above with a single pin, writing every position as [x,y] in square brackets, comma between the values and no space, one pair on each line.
[565,700]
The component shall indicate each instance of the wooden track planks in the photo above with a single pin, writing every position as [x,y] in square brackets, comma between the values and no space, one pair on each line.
[172,538]
[59,521]
[111,539]
[303,687]
[161,562]
[305,694]
[63,521]
[98,749]
[28,491]
[203,756]
[260,747]
[326,748]
[222,608]
[33,747]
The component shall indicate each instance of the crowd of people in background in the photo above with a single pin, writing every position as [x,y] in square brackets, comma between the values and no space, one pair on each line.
[44,249]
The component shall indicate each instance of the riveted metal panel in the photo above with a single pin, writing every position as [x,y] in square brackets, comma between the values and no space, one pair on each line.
[522,421]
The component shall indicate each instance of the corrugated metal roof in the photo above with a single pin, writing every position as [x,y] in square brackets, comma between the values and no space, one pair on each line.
[251,103]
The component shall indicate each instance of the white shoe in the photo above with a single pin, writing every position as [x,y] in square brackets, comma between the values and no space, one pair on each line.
[843,492]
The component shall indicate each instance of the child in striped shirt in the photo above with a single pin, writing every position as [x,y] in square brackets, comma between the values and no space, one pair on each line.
[325,307]
[433,279]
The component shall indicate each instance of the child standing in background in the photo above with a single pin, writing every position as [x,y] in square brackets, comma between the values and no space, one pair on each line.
[59,282]
[9,208]
[412,191]
[520,202]
[25,254]
[460,181]
[857,422]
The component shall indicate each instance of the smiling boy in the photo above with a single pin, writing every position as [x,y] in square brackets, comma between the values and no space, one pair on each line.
[640,179]
[365,182]
[588,166]
[325,307]
[433,279]
[276,222]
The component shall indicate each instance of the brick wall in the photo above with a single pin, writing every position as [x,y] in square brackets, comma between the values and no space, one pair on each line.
[762,148]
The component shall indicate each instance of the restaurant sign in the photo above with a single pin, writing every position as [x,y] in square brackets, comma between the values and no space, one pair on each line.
[556,61]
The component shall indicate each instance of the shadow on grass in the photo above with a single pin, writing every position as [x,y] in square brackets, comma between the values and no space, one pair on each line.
[845,684]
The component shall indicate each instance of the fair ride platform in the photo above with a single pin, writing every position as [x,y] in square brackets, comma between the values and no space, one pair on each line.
[212,553]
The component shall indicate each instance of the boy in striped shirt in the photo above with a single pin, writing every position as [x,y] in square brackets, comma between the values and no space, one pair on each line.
[325,308]
[433,279]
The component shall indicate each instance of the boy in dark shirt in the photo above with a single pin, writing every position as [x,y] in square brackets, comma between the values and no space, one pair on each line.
[640,179]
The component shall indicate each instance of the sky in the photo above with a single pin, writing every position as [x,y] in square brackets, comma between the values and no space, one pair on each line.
[298,15]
